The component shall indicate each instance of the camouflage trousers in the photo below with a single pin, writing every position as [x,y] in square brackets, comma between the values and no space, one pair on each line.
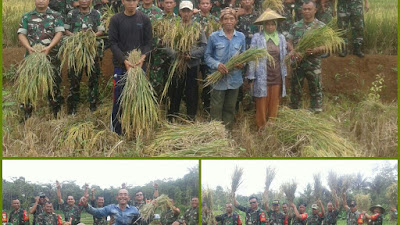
[351,12]
[313,76]
[75,81]
[325,15]
[58,100]
[157,68]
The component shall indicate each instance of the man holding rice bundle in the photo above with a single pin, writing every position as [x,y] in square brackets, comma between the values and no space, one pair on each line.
[300,216]
[316,217]
[275,216]
[223,45]
[72,212]
[353,216]
[84,19]
[308,67]
[43,26]
[332,211]
[128,30]
[191,216]
[254,214]
[230,217]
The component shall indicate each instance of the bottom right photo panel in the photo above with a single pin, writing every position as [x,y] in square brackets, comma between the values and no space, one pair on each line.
[299,192]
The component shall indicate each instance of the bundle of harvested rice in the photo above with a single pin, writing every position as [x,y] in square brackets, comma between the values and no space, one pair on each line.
[149,209]
[270,175]
[333,181]
[244,57]
[192,140]
[289,188]
[79,51]
[310,135]
[211,27]
[106,17]
[207,210]
[79,134]
[391,194]
[276,5]
[35,77]
[328,37]
[363,202]
[317,186]
[344,183]
[236,179]
[138,103]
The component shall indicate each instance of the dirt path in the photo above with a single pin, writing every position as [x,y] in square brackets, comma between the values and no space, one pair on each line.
[349,76]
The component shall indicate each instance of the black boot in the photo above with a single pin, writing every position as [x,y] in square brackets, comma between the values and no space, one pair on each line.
[27,110]
[71,110]
[358,52]
[56,110]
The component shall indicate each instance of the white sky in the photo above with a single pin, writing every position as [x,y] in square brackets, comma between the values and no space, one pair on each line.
[219,172]
[104,173]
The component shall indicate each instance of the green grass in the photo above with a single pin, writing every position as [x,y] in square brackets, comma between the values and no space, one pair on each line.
[86,218]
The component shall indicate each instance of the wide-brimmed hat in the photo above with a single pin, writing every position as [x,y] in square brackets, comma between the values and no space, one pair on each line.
[269,14]
[377,206]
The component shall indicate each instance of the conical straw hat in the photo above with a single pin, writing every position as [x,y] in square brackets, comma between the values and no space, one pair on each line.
[269,14]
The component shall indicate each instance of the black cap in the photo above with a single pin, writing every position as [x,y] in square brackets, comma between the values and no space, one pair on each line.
[353,203]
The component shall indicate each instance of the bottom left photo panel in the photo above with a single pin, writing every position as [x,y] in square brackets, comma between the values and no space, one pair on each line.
[104,192]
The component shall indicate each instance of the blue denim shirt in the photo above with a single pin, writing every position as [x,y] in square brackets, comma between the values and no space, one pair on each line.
[125,217]
[219,50]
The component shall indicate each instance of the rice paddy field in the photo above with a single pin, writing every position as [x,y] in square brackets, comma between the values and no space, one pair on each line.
[359,118]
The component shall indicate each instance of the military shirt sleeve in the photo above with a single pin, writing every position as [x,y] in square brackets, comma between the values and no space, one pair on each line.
[68,20]
[291,33]
[100,26]
[23,26]
[59,24]
[242,208]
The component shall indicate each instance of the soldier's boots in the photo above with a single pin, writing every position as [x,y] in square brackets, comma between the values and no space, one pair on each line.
[27,110]
[358,52]
[56,110]
[343,53]
[71,110]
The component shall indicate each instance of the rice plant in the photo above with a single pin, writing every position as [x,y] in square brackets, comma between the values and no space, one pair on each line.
[237,179]
[276,5]
[269,177]
[317,186]
[35,77]
[106,17]
[363,202]
[289,188]
[392,194]
[344,183]
[149,209]
[333,181]
[207,210]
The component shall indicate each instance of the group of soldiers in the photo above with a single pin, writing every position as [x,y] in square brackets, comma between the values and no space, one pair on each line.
[296,215]
[125,212]
[52,19]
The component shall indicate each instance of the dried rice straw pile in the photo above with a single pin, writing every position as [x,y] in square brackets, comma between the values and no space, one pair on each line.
[207,212]
[269,177]
[363,202]
[35,77]
[138,103]
[236,179]
[289,188]
[79,51]
[244,57]
[317,186]
[192,140]
[276,5]
[149,209]
[391,194]
[327,36]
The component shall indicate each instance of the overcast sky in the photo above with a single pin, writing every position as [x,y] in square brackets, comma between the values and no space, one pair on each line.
[219,172]
[105,173]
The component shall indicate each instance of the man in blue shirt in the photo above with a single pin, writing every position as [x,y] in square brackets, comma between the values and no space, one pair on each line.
[223,45]
[123,213]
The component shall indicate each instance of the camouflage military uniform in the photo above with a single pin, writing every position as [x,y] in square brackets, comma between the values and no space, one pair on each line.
[298,14]
[325,15]
[76,22]
[18,217]
[351,12]
[352,217]
[246,26]
[62,6]
[224,219]
[96,220]
[216,10]
[276,218]
[297,221]
[99,5]
[40,28]
[168,217]
[153,12]
[49,219]
[256,217]
[377,219]
[139,206]
[331,217]
[191,216]
[73,212]
[204,20]
[309,68]
[315,219]
[284,25]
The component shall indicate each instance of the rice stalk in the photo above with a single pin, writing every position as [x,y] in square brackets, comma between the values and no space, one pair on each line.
[317,186]
[236,179]
[276,5]
[211,27]
[79,51]
[106,17]
[138,103]
[207,211]
[289,188]
[270,175]
[333,181]
[35,77]
[363,202]
[344,183]
[149,209]
[79,135]
[392,194]
[242,58]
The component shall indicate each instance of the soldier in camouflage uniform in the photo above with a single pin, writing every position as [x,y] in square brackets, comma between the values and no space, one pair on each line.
[63,6]
[288,12]
[48,217]
[216,7]
[18,216]
[325,10]
[308,67]
[43,26]
[99,204]
[316,217]
[332,212]
[230,217]
[377,217]
[101,4]
[171,215]
[351,12]
[254,215]
[353,216]
[288,217]
[83,19]
[191,216]
[300,216]
[71,211]
[275,216]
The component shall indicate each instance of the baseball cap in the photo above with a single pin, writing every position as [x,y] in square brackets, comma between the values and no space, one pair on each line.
[353,203]
[42,195]
[186,5]
[314,206]
[275,202]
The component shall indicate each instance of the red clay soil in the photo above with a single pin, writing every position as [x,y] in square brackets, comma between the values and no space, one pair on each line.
[349,76]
